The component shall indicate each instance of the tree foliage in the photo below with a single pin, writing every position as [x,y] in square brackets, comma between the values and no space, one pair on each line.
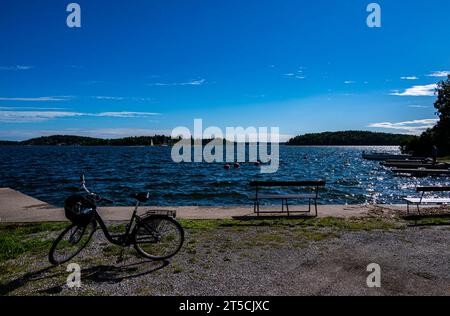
[69,140]
[350,138]
[439,135]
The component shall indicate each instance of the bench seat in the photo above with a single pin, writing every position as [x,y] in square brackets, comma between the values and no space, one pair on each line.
[427,201]
[282,196]
[423,200]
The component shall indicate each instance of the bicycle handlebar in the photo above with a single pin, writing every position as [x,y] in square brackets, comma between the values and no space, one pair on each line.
[96,197]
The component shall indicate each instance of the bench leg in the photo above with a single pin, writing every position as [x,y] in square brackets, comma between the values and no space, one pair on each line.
[309,205]
[407,208]
[315,206]
[282,206]
[287,207]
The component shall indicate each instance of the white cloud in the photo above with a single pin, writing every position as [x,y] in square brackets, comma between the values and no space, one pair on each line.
[33,116]
[439,74]
[41,116]
[100,97]
[417,106]
[195,82]
[295,76]
[29,108]
[115,98]
[417,91]
[411,127]
[15,68]
[38,99]
[349,82]
[122,114]
[409,78]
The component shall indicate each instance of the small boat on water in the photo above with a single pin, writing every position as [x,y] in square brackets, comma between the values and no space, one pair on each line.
[386,156]
[415,165]
[422,172]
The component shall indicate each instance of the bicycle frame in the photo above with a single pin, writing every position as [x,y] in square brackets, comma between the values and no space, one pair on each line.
[120,239]
[124,239]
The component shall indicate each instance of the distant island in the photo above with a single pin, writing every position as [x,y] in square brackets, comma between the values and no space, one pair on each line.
[350,138]
[346,138]
[69,140]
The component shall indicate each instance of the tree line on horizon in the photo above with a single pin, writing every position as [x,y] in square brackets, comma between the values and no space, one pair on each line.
[322,139]
[71,140]
[350,138]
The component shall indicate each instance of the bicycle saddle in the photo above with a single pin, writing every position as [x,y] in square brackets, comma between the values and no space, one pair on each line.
[141,197]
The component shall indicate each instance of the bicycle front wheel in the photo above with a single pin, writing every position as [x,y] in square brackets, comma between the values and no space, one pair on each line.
[70,242]
[158,237]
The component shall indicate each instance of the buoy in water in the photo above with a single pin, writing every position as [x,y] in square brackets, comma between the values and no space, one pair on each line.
[237,165]
[227,167]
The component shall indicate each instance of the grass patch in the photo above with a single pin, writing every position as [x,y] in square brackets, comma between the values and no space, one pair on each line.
[335,223]
[431,221]
[21,238]
[271,238]
[317,235]
[18,239]
[176,268]
[111,250]
[117,228]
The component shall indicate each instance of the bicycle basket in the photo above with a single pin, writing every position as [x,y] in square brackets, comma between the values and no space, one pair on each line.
[79,210]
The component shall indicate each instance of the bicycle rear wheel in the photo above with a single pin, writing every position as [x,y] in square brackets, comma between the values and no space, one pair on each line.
[70,242]
[158,237]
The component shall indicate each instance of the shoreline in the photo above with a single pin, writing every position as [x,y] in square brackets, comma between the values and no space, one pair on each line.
[16,207]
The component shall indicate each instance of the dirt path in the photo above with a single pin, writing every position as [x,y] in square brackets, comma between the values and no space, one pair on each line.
[320,257]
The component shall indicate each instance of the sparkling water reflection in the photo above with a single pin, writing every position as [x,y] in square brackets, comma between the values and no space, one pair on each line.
[48,173]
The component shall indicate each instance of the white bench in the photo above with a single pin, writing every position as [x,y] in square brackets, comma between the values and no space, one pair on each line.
[428,201]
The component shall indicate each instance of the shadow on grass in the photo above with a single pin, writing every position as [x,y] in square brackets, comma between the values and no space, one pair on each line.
[40,274]
[273,217]
[99,273]
[115,274]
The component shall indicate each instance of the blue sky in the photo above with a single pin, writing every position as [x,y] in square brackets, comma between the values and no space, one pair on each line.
[146,67]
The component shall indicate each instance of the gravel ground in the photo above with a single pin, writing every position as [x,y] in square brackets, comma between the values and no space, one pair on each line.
[260,259]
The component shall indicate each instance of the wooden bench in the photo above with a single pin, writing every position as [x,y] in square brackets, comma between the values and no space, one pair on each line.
[311,197]
[428,201]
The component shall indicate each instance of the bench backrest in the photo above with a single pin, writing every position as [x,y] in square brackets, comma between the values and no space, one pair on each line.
[433,189]
[318,183]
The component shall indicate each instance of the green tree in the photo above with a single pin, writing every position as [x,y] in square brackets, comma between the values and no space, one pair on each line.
[439,135]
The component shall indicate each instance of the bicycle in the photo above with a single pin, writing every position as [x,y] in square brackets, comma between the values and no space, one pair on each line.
[156,235]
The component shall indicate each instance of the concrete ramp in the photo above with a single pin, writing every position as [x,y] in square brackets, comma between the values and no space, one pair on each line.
[16,207]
